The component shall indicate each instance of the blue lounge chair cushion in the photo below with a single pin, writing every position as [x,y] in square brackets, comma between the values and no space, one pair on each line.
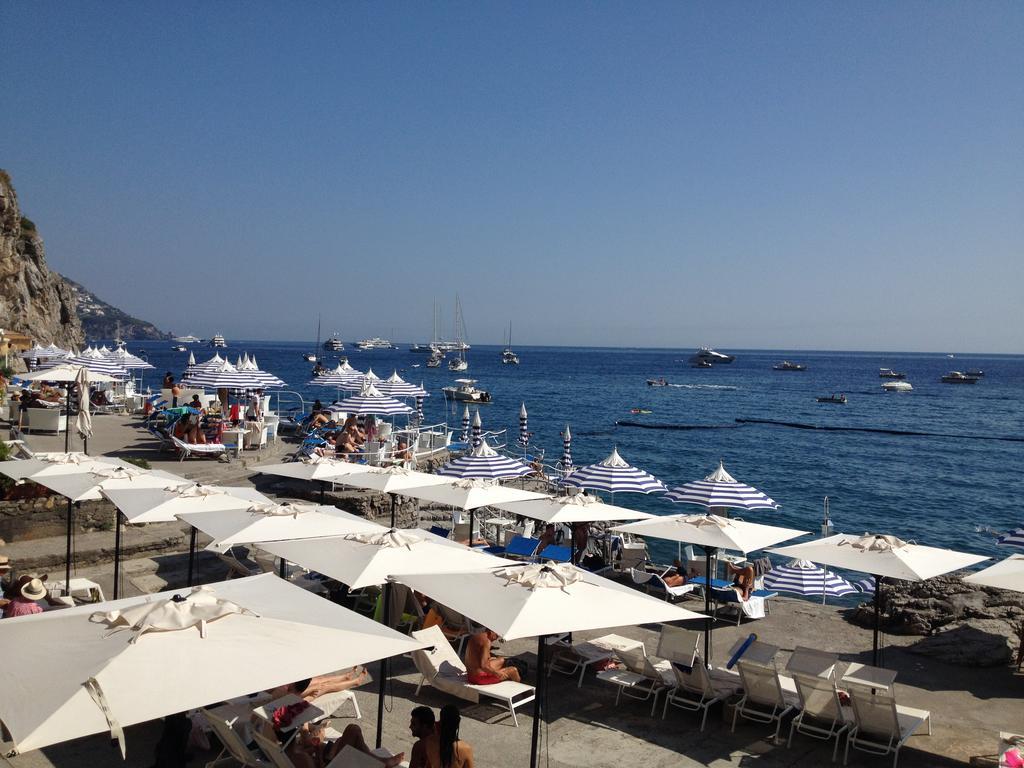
[556,553]
[520,546]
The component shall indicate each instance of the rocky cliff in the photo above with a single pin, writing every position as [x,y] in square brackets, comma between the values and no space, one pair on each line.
[101,321]
[33,299]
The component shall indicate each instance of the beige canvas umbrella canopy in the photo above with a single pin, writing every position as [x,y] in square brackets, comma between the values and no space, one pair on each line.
[882,556]
[104,667]
[1008,574]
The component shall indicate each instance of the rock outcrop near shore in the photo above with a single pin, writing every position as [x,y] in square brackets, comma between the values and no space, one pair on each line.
[961,623]
[33,299]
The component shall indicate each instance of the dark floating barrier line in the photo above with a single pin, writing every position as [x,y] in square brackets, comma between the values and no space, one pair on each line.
[877,430]
[656,425]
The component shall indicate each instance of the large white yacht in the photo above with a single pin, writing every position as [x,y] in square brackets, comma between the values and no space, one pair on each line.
[375,343]
[218,341]
[708,355]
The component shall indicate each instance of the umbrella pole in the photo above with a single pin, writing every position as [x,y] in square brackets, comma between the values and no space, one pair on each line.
[394,500]
[707,604]
[322,486]
[538,702]
[67,558]
[878,619]
[282,565]
[386,620]
[67,439]
[472,512]
[117,551]
[191,556]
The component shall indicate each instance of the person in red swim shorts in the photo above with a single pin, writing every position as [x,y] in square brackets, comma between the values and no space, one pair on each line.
[481,667]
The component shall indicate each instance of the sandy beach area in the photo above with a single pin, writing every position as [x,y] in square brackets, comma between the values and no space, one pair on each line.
[969,706]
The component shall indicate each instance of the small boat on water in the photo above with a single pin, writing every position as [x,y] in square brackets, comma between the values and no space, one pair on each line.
[464,392]
[957,377]
[179,348]
[785,365]
[657,382]
[424,349]
[839,399]
[889,373]
[435,359]
[897,386]
[508,357]
[218,342]
[640,410]
[701,364]
[459,364]
[707,354]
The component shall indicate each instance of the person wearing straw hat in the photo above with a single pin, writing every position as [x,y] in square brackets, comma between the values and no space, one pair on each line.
[23,597]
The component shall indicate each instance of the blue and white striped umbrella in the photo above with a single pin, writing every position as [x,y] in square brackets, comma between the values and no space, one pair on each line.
[97,364]
[338,377]
[802,577]
[464,437]
[1013,538]
[566,463]
[524,427]
[485,463]
[720,489]
[396,386]
[370,401]
[223,376]
[476,435]
[127,360]
[250,366]
[865,585]
[419,411]
[614,475]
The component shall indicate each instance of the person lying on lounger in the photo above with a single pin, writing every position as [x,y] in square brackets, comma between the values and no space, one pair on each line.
[481,667]
[675,576]
[742,580]
[321,685]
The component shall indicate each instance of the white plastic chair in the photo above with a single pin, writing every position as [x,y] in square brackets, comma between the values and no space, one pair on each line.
[881,725]
[822,714]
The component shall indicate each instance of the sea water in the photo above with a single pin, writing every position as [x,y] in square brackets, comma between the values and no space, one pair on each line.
[954,487]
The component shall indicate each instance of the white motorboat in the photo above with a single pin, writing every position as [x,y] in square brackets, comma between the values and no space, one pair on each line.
[786,365]
[957,377]
[465,392]
[435,359]
[218,341]
[179,348]
[334,344]
[374,343]
[889,373]
[897,386]
[708,355]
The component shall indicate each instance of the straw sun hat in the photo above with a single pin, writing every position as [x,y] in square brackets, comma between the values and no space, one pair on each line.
[33,590]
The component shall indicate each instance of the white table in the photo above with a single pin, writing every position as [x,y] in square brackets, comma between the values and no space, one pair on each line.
[590,652]
[83,589]
[239,433]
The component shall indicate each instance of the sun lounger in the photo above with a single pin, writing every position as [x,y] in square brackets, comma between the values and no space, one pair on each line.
[439,530]
[880,724]
[350,757]
[233,749]
[767,696]
[754,608]
[556,553]
[521,546]
[189,450]
[822,714]
[643,678]
[441,667]
[656,585]
[580,656]
[697,689]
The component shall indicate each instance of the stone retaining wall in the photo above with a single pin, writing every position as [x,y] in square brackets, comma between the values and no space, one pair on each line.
[37,518]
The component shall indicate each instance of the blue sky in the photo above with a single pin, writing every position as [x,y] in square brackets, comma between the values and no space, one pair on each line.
[778,175]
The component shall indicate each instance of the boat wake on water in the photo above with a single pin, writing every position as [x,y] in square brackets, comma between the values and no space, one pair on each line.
[703,386]
[878,430]
[656,425]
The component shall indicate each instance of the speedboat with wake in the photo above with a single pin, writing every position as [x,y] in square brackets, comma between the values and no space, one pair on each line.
[657,382]
[889,373]
[708,355]
[785,365]
[897,386]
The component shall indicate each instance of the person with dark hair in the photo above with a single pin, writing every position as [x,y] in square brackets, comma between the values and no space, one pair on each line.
[422,726]
[444,748]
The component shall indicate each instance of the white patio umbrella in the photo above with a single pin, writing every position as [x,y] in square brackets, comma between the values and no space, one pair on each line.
[882,557]
[367,559]
[614,475]
[391,480]
[274,522]
[533,600]
[67,374]
[84,421]
[711,533]
[471,494]
[322,469]
[720,490]
[1007,574]
[104,667]
[162,505]
[88,486]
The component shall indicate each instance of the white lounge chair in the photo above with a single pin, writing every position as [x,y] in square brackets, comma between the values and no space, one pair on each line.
[189,450]
[643,678]
[350,757]
[655,585]
[441,667]
[233,749]
[822,714]
[881,725]
[767,696]
[698,689]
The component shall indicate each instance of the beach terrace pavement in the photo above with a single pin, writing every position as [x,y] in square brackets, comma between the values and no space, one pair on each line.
[584,727]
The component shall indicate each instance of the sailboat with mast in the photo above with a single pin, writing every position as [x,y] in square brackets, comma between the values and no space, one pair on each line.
[508,357]
[459,364]
[310,357]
